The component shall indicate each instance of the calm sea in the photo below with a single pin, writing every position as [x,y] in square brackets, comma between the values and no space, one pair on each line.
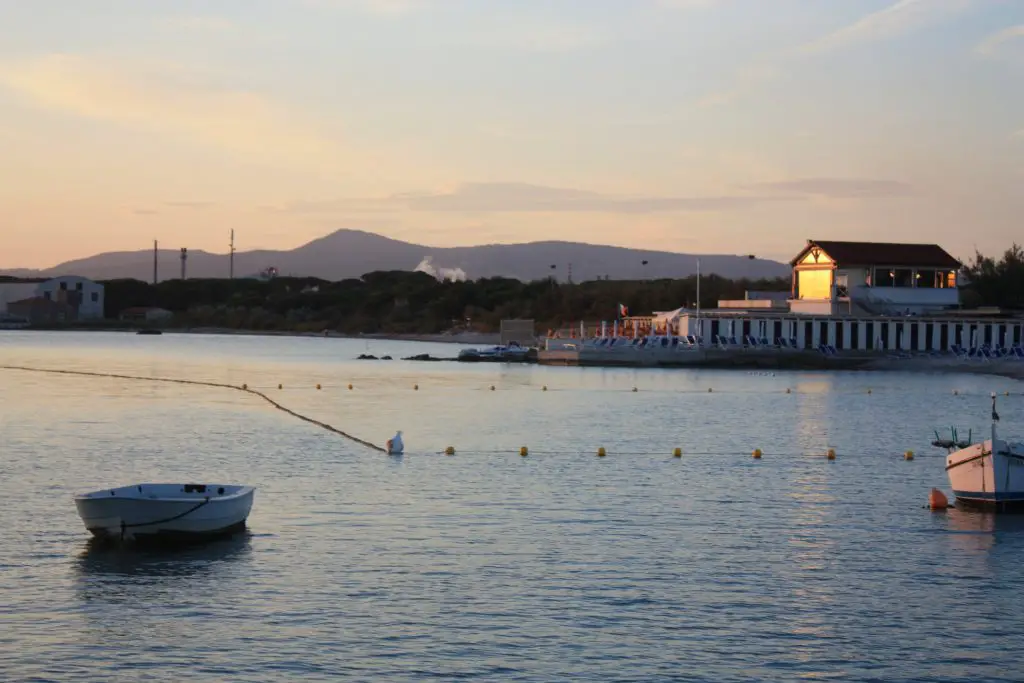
[489,566]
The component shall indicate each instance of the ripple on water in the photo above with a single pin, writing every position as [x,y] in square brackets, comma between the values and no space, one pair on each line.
[486,565]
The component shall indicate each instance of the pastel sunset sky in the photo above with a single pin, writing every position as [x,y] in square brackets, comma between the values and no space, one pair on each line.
[708,126]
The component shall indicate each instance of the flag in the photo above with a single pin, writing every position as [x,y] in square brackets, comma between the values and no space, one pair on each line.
[623,311]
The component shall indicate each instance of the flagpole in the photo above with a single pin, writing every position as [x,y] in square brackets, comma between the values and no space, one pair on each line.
[698,299]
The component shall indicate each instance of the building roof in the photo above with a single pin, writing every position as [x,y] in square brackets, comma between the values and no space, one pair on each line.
[882,254]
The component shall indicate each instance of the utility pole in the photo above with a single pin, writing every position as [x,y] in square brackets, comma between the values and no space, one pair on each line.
[569,279]
[231,261]
[155,254]
[184,257]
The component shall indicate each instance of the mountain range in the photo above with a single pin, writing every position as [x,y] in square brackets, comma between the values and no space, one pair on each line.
[351,253]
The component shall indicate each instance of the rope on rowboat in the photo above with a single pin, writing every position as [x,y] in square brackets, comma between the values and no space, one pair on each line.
[164,521]
[195,382]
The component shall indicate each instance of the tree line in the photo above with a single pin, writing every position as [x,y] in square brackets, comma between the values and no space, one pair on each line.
[401,302]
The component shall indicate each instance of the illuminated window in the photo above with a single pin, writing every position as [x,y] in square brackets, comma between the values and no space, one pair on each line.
[814,284]
[927,279]
[903,277]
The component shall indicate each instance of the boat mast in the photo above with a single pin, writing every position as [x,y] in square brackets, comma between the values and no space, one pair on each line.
[995,418]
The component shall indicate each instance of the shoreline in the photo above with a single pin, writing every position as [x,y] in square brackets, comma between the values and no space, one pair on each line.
[468,338]
[1007,368]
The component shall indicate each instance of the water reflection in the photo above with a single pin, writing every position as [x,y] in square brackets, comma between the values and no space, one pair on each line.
[976,532]
[121,574]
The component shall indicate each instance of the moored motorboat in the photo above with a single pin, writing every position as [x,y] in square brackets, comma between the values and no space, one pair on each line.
[989,474]
[513,352]
[166,511]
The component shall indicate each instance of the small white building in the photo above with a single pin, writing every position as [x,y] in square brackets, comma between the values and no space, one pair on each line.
[88,295]
[873,278]
[81,295]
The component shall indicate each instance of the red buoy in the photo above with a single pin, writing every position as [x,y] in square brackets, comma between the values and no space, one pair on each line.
[937,500]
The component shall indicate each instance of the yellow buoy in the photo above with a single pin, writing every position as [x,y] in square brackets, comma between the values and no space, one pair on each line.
[318,387]
[909,455]
[350,387]
[831,454]
[601,452]
[450,450]
[677,453]
[757,454]
[524,451]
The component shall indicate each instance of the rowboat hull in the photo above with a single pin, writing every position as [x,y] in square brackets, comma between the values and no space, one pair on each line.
[148,512]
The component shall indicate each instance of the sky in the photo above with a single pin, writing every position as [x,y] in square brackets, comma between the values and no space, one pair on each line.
[698,126]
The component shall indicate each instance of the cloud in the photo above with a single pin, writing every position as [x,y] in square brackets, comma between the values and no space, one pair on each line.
[898,19]
[525,197]
[542,38]
[203,24]
[746,79]
[391,8]
[190,205]
[686,4]
[894,21]
[169,100]
[993,45]
[838,188]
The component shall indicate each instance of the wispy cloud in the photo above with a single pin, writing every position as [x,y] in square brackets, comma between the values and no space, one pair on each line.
[205,24]
[190,205]
[896,20]
[391,8]
[838,188]
[542,37]
[686,4]
[169,100]
[746,79]
[994,44]
[525,197]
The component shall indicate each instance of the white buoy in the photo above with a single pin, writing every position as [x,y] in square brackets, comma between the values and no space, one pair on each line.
[395,445]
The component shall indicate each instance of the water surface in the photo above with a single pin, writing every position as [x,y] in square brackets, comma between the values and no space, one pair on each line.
[486,565]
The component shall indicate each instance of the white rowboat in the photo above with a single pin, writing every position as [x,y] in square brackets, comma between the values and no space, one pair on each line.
[165,511]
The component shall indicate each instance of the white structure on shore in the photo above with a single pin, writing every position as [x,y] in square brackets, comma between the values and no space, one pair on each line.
[847,296]
[77,298]
[832,278]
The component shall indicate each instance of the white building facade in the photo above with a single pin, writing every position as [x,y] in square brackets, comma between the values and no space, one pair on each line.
[82,292]
[873,278]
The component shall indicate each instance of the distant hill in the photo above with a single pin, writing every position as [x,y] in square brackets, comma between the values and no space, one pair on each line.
[351,253]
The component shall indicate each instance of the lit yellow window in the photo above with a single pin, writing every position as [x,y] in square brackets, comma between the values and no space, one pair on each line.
[814,284]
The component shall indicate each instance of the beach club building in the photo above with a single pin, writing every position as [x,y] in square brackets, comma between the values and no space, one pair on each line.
[857,296]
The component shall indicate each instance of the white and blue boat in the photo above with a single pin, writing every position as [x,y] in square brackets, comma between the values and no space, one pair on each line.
[989,474]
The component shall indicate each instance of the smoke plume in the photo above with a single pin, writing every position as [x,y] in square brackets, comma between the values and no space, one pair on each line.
[442,274]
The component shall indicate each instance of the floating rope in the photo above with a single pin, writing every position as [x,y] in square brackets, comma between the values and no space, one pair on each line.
[218,385]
